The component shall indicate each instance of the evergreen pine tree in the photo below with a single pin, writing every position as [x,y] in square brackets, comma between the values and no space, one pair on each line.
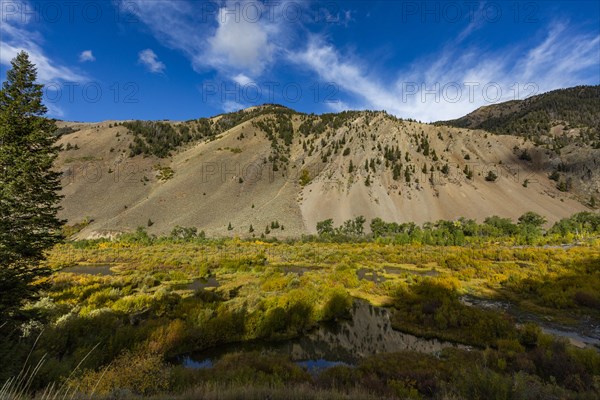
[28,186]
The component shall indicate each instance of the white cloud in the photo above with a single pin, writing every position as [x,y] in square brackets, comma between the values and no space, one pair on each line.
[242,79]
[87,55]
[16,36]
[428,89]
[240,44]
[232,106]
[169,21]
[243,50]
[561,57]
[342,17]
[475,23]
[346,74]
[150,60]
[227,42]
[239,47]
[54,110]
[48,70]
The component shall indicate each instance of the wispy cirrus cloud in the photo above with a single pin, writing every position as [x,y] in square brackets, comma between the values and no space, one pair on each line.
[444,84]
[346,72]
[564,57]
[16,35]
[473,25]
[455,81]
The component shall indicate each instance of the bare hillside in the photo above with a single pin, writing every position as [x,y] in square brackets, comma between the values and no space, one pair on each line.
[272,170]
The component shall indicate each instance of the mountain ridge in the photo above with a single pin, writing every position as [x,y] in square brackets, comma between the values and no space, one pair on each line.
[536,115]
[274,171]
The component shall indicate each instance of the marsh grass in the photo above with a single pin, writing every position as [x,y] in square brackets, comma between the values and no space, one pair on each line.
[19,387]
[144,314]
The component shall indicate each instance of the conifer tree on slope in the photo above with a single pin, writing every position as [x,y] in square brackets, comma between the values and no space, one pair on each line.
[28,187]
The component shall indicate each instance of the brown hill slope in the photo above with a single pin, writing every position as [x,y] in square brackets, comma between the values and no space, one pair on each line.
[565,122]
[272,165]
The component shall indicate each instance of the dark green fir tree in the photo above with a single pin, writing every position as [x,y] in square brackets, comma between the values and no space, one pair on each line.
[28,187]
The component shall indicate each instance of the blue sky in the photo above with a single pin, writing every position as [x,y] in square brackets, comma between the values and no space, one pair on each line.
[184,59]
